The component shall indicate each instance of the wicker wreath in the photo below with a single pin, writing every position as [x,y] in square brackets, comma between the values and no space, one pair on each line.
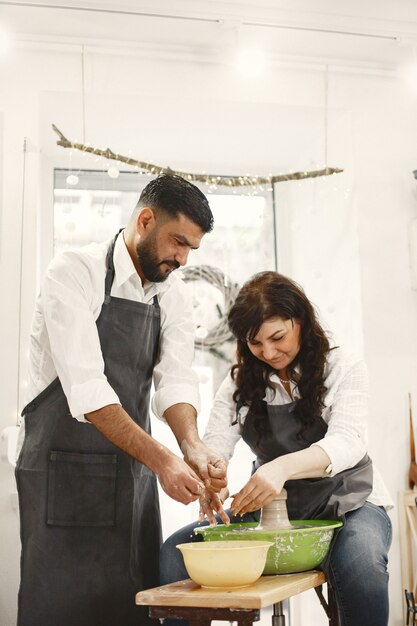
[219,333]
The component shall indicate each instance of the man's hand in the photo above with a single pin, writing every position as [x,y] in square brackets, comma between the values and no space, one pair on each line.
[211,503]
[209,465]
[178,480]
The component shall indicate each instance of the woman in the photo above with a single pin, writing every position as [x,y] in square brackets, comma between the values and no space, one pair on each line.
[301,406]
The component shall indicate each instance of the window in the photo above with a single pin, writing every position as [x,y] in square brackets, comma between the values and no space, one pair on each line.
[89,206]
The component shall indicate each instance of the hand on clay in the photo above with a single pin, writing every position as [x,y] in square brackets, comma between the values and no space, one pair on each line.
[179,480]
[211,503]
[263,487]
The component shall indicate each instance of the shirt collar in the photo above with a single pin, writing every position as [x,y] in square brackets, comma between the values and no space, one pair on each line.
[125,270]
[297,374]
[123,264]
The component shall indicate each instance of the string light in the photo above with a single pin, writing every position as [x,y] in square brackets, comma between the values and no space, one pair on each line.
[72,179]
[113,172]
[229,181]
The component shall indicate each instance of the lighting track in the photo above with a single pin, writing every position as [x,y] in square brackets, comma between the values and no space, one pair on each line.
[64,7]
[321,30]
[208,20]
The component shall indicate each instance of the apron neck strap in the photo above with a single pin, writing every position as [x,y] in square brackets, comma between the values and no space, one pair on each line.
[110,272]
[110,268]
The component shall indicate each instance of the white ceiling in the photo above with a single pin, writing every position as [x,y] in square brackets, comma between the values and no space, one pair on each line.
[378,33]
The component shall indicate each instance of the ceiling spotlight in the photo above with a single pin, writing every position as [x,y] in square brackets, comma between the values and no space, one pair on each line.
[251,61]
[408,73]
[4,40]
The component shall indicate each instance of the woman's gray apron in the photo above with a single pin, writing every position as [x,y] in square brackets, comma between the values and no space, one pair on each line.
[309,498]
[90,520]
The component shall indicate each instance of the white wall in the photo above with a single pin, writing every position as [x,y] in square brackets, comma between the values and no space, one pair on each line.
[198,117]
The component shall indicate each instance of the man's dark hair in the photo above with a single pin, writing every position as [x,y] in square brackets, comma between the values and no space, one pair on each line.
[173,195]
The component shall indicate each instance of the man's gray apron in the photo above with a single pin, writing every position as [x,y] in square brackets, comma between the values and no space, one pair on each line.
[90,520]
[309,498]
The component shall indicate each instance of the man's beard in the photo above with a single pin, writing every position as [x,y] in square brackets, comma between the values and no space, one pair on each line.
[150,265]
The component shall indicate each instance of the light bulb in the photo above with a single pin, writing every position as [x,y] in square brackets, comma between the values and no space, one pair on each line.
[201,332]
[113,172]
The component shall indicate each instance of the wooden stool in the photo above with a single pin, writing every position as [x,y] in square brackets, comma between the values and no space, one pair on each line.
[187,600]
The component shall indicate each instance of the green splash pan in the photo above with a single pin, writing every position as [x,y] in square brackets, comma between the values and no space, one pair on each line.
[297,549]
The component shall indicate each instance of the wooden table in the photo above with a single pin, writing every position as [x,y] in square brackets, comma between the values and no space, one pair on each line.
[187,600]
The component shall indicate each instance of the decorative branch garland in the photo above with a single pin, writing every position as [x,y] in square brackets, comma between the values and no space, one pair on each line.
[208,179]
[220,333]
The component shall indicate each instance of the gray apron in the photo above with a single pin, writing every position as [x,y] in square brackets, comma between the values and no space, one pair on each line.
[89,513]
[308,498]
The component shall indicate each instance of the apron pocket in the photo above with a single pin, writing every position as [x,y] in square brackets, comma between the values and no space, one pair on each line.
[81,489]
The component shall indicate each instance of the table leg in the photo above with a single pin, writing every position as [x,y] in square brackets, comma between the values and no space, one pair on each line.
[278,617]
[330,606]
[333,612]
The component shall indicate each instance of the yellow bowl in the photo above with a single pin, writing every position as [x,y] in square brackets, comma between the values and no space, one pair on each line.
[225,563]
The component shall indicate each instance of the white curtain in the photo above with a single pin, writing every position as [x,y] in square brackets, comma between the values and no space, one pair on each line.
[318,247]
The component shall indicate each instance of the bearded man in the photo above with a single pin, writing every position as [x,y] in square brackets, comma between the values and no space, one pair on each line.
[110,318]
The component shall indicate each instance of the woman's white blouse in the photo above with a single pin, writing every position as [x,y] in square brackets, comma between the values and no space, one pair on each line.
[345,413]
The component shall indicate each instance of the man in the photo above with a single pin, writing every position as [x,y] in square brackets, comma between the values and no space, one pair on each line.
[108,319]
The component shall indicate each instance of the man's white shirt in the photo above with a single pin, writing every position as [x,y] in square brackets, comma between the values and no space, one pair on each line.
[64,340]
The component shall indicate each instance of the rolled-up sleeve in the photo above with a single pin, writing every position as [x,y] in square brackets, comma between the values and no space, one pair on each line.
[347,413]
[174,379]
[73,336]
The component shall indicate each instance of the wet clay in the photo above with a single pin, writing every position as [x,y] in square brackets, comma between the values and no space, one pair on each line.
[274,516]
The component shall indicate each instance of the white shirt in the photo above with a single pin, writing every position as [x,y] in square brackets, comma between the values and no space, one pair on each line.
[64,340]
[345,413]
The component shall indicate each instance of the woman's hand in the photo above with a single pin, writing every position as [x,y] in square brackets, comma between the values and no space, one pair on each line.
[268,481]
[211,503]
[263,487]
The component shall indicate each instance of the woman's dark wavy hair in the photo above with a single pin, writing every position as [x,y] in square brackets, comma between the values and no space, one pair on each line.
[264,296]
